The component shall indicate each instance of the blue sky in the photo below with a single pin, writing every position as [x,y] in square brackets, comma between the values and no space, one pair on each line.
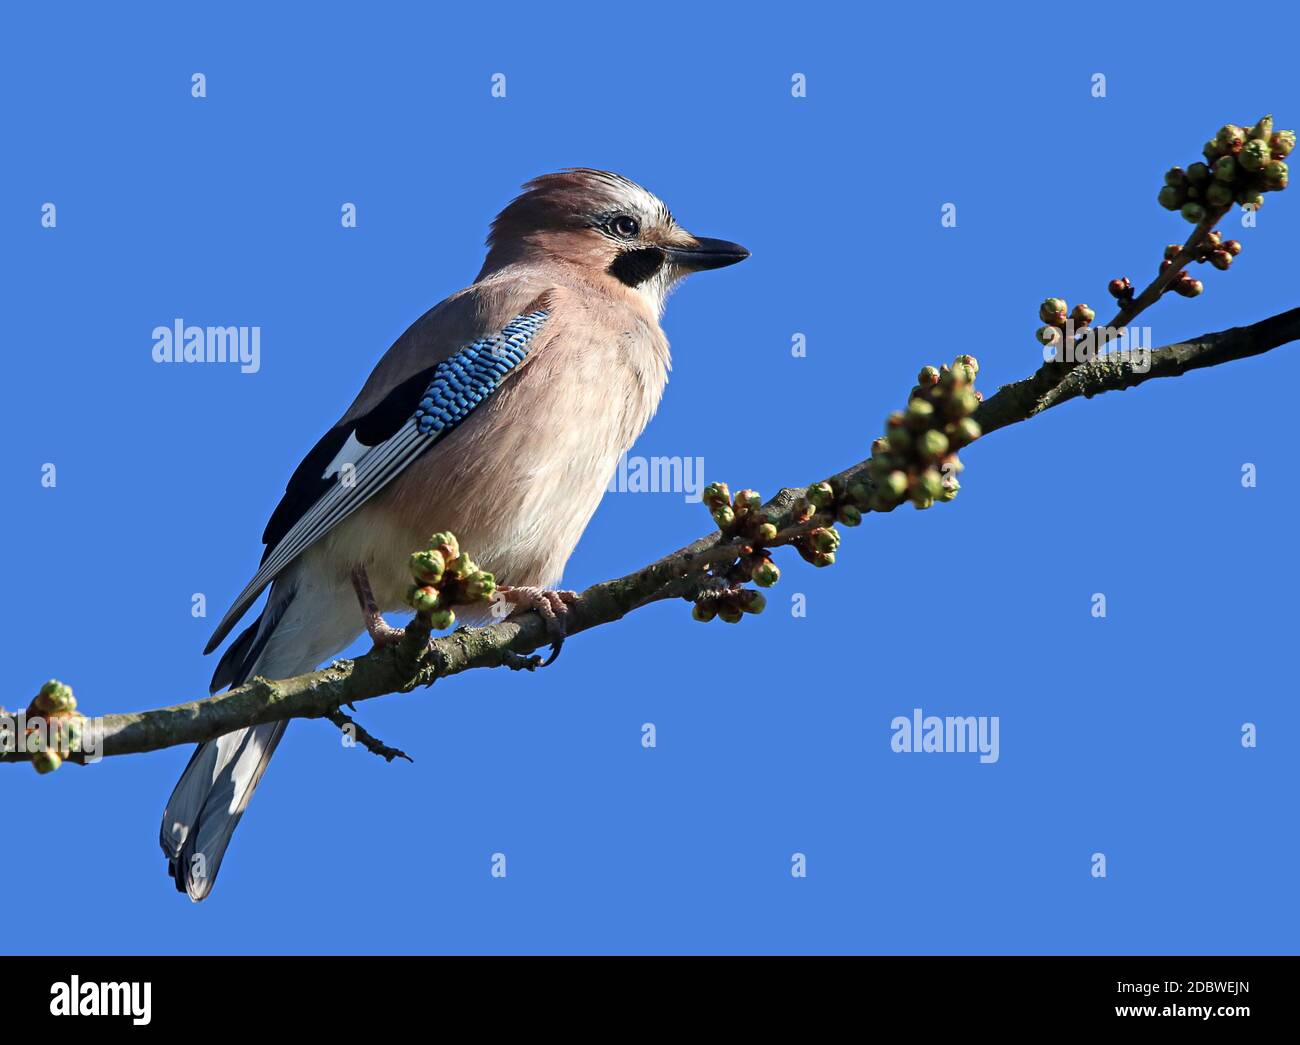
[1118,735]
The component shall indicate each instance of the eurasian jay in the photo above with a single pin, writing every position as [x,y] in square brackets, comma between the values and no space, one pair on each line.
[562,322]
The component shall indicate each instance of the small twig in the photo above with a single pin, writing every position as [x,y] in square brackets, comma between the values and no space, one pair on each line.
[1155,290]
[367,740]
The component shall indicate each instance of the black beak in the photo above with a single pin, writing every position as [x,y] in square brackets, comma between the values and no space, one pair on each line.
[707,254]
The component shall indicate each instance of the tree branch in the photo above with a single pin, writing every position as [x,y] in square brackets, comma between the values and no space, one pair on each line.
[415,661]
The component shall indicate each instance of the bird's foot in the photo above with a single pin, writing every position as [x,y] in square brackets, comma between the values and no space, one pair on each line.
[380,631]
[552,606]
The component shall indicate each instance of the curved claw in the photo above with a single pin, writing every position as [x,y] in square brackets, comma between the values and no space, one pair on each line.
[556,646]
[550,605]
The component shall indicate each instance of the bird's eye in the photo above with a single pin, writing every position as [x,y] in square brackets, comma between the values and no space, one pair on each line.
[625,226]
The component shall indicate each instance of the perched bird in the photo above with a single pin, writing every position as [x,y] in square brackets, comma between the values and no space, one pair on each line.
[499,415]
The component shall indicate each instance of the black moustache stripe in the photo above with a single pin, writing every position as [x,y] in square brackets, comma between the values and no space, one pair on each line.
[634,267]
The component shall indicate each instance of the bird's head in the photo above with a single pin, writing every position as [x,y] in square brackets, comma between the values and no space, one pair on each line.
[609,226]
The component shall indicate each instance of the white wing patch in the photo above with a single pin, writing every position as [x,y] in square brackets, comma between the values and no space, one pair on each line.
[376,466]
[349,454]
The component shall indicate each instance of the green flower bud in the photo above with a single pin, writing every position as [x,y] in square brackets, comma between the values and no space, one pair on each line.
[716,495]
[46,761]
[820,495]
[1219,194]
[1048,335]
[882,503]
[859,493]
[1198,173]
[802,511]
[1230,136]
[934,444]
[1193,212]
[920,501]
[1263,130]
[965,359]
[918,410]
[729,613]
[880,446]
[849,515]
[765,573]
[929,375]
[960,375]
[752,601]
[446,543]
[1281,144]
[1250,198]
[965,432]
[1232,246]
[900,439]
[704,611]
[929,483]
[824,539]
[948,490]
[822,559]
[480,587]
[1211,150]
[1082,315]
[963,403]
[1175,176]
[441,620]
[1225,169]
[55,697]
[765,532]
[1255,155]
[1052,311]
[427,566]
[1188,287]
[724,516]
[1220,259]
[423,598]
[462,567]
[1276,173]
[895,485]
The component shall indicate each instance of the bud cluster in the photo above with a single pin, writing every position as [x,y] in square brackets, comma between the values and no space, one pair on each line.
[739,516]
[1212,248]
[1241,164]
[916,460]
[728,605]
[446,577]
[56,704]
[823,503]
[1055,319]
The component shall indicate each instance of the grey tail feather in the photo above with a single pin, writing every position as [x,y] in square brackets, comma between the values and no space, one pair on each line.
[213,791]
[238,657]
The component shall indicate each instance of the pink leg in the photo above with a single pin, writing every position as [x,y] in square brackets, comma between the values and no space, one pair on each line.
[380,631]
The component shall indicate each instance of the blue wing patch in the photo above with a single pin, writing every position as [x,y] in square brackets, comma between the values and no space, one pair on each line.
[462,382]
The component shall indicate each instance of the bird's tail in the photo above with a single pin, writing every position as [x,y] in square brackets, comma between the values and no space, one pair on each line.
[214,790]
